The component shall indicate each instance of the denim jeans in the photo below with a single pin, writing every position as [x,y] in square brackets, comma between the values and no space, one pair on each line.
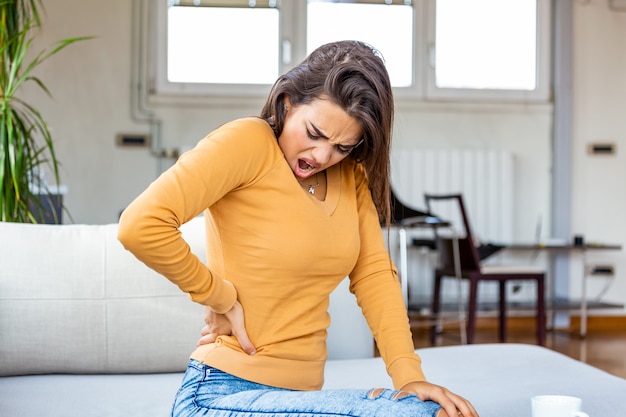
[206,391]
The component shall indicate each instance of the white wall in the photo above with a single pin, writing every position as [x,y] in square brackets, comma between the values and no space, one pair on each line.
[599,88]
[91,87]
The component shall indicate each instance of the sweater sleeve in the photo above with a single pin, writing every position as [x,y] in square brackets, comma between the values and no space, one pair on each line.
[375,283]
[232,156]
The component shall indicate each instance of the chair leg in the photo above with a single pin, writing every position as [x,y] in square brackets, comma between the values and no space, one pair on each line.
[471,310]
[435,308]
[502,312]
[541,313]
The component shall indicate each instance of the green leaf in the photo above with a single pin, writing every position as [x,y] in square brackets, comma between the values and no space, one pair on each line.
[26,143]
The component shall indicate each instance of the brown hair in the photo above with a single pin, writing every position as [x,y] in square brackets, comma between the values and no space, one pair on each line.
[351,74]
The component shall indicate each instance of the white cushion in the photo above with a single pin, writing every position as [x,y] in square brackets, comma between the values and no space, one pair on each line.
[499,379]
[73,300]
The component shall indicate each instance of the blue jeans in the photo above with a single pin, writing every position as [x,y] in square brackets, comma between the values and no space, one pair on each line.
[206,391]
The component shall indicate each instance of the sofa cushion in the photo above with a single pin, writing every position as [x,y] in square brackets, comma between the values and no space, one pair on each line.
[65,289]
[499,379]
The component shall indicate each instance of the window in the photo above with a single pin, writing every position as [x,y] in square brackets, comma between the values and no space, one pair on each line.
[434,49]
[214,47]
[489,49]
[194,56]
[389,29]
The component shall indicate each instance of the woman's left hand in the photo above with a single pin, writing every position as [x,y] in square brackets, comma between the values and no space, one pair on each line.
[452,405]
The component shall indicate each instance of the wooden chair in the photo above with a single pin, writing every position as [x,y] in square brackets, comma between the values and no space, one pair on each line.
[475,273]
[406,218]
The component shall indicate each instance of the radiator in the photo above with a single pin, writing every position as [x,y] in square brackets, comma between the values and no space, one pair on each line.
[483,177]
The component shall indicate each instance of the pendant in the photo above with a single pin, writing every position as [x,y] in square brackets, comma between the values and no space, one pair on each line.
[311,189]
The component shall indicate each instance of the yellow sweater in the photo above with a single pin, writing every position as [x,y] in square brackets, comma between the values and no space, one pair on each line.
[275,248]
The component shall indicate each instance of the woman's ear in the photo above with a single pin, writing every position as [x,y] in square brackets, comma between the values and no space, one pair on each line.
[286,103]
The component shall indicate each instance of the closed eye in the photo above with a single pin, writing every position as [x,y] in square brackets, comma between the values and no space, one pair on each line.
[312,136]
[342,149]
[347,149]
[339,148]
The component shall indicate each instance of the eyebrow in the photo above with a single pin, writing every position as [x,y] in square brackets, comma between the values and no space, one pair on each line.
[319,132]
[322,135]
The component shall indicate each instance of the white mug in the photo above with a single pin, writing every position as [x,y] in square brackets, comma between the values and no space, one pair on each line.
[557,406]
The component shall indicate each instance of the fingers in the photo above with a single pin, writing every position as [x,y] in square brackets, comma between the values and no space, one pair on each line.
[237,321]
[452,405]
[206,339]
[472,410]
[210,337]
[464,407]
[450,410]
[456,406]
[230,323]
[245,342]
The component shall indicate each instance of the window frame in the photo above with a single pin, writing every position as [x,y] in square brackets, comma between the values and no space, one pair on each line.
[160,86]
[292,49]
[541,93]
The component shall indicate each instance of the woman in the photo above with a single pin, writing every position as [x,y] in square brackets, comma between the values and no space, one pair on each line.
[293,203]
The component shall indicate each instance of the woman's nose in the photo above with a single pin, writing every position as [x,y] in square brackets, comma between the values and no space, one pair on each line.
[323,152]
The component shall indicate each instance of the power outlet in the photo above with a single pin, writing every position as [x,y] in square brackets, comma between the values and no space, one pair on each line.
[601,149]
[132,140]
[605,270]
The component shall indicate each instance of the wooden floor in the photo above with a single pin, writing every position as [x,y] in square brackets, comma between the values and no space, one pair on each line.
[602,348]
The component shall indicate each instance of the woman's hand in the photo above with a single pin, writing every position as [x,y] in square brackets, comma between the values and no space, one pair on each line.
[452,405]
[230,323]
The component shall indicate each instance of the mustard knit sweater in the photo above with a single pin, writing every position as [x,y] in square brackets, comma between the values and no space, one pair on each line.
[275,248]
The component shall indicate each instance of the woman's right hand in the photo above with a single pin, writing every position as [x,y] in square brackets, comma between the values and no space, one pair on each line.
[230,323]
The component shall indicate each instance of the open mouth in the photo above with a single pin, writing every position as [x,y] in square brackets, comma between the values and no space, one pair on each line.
[304,167]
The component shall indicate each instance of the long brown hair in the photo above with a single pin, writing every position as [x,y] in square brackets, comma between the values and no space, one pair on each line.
[351,74]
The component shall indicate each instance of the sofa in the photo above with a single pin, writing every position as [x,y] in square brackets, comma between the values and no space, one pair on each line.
[87,330]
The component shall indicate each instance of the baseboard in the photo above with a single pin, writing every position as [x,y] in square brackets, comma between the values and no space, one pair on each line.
[600,323]
[594,323]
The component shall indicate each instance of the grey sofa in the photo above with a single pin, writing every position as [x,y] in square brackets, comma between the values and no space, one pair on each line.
[87,330]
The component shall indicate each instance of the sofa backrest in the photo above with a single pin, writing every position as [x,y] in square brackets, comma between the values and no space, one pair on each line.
[73,300]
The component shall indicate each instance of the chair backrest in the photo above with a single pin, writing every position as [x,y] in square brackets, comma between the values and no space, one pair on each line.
[468,253]
[400,211]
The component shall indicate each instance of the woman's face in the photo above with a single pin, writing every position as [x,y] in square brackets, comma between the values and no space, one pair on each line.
[316,136]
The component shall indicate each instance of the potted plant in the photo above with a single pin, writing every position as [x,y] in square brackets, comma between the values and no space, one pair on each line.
[26,146]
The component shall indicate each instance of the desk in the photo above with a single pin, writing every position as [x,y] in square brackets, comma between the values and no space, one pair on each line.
[568,248]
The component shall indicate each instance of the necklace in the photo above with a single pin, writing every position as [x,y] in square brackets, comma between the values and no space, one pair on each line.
[310,187]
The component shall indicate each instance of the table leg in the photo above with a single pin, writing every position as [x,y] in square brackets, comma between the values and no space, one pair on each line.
[404,276]
[583,301]
[456,254]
